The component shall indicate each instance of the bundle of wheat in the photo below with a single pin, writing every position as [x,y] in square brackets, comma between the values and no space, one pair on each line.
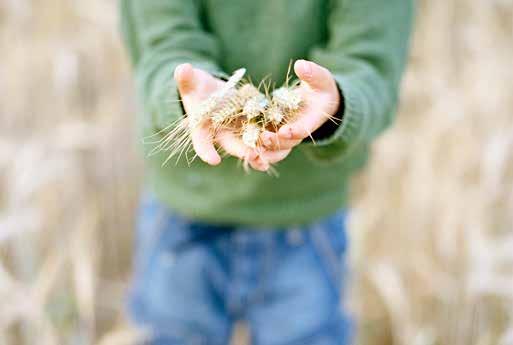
[240,107]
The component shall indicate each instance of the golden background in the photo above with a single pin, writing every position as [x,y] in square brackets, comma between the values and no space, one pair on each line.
[432,214]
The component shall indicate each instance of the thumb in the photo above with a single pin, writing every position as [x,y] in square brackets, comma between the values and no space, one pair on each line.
[316,76]
[184,76]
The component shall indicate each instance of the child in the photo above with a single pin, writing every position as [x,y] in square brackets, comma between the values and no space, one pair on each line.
[216,245]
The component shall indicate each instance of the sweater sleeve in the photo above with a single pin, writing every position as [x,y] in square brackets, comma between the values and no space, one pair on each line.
[160,35]
[366,52]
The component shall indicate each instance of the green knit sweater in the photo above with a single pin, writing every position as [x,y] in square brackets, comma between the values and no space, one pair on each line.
[362,42]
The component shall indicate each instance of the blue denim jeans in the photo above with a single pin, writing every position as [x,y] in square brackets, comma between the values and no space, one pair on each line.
[193,280]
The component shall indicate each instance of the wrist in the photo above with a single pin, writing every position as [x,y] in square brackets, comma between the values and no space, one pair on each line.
[330,126]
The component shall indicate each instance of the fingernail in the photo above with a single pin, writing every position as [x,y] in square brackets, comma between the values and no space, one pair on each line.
[215,160]
[306,67]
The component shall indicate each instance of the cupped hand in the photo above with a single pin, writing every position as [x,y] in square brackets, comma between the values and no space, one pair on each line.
[321,101]
[195,86]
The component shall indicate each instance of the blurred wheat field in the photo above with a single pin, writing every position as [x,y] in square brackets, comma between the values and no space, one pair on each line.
[432,214]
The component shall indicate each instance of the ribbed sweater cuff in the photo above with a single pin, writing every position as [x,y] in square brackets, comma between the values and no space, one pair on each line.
[341,142]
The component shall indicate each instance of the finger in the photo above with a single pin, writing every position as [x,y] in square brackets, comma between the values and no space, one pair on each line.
[272,141]
[259,164]
[195,82]
[316,76]
[203,144]
[273,157]
[234,146]
[184,77]
[304,125]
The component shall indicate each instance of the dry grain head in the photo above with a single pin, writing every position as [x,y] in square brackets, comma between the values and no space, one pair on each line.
[250,134]
[221,108]
[255,106]
[248,91]
[235,79]
[274,115]
[288,99]
[222,104]
[227,109]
